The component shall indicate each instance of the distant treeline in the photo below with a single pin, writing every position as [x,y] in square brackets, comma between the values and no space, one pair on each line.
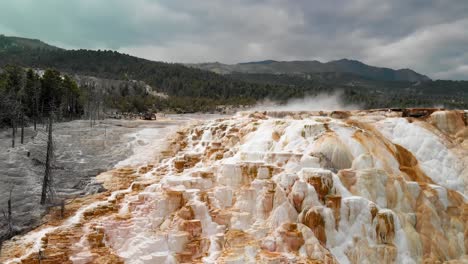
[192,90]
[364,92]
[25,96]
[204,88]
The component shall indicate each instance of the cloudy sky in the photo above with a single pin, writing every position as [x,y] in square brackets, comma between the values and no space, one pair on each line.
[429,36]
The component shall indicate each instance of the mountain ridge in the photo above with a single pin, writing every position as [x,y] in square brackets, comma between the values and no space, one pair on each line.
[191,89]
[313,66]
[19,44]
[9,43]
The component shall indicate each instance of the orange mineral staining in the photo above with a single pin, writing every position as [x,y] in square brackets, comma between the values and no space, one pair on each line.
[278,187]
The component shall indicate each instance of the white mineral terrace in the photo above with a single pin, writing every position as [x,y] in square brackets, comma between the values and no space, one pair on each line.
[281,187]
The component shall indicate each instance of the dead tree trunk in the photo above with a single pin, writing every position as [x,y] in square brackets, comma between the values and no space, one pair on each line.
[8,218]
[35,113]
[10,222]
[22,128]
[46,181]
[62,208]
[13,132]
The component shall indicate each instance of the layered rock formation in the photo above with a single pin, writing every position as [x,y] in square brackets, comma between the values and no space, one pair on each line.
[280,187]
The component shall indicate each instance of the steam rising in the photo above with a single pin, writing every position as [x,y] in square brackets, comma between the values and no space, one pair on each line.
[325,102]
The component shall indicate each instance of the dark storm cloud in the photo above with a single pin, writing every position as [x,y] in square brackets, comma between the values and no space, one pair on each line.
[429,36]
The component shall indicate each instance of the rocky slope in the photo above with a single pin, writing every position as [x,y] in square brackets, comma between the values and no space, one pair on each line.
[278,187]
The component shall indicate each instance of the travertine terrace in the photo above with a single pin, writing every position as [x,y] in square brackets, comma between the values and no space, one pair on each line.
[382,186]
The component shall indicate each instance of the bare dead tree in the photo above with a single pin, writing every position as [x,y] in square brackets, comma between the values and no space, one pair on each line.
[9,220]
[62,208]
[13,132]
[22,128]
[36,105]
[47,181]
[8,215]
[10,111]
[94,102]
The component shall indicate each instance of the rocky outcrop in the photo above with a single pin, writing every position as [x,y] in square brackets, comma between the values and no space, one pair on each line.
[449,122]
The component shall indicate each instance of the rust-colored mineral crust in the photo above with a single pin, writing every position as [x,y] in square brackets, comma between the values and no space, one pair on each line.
[377,186]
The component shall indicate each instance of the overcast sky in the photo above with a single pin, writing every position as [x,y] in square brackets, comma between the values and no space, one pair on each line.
[429,36]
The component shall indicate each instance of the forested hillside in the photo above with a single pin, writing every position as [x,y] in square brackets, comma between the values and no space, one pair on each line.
[306,67]
[191,89]
[370,93]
